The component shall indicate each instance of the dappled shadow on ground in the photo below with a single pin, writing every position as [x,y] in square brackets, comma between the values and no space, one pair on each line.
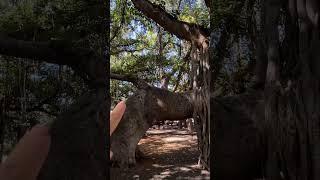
[170,154]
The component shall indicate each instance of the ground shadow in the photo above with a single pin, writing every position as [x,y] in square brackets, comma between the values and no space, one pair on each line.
[170,154]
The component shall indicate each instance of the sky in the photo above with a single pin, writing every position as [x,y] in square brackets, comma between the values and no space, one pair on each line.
[137,29]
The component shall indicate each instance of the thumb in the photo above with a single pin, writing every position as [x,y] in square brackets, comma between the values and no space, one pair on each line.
[116,115]
[26,159]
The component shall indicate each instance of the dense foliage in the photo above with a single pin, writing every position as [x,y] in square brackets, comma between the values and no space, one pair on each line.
[36,92]
[142,48]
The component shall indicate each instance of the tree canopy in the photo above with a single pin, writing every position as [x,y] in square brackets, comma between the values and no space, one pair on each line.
[142,48]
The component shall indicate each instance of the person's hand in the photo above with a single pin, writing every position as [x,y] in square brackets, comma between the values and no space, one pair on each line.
[116,115]
[28,156]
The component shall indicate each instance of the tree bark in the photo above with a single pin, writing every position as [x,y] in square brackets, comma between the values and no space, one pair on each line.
[183,30]
[58,52]
[190,125]
[144,108]
[239,151]
[238,147]
[2,127]
[78,141]
[292,98]
[259,38]
[272,15]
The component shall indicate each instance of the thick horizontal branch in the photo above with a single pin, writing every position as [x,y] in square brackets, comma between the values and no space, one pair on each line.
[29,50]
[125,44]
[116,52]
[139,83]
[84,61]
[183,30]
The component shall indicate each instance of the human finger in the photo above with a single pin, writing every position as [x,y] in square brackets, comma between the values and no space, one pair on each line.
[28,156]
[116,115]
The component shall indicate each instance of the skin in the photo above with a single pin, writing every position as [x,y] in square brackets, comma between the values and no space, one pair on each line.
[26,159]
[116,115]
[28,156]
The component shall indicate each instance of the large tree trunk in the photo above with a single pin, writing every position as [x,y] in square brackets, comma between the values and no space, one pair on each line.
[272,128]
[2,127]
[144,108]
[201,85]
[292,94]
[239,151]
[189,125]
[238,146]
[78,143]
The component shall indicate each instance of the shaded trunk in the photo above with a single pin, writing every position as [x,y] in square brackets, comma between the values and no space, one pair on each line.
[259,39]
[201,85]
[292,95]
[238,147]
[236,121]
[182,124]
[78,144]
[272,15]
[144,108]
[2,128]
[190,125]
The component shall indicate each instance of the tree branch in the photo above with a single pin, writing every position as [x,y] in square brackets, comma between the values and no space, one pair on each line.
[127,43]
[118,28]
[125,50]
[139,83]
[30,50]
[183,30]
[89,65]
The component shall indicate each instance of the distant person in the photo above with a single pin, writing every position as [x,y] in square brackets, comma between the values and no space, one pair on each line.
[28,156]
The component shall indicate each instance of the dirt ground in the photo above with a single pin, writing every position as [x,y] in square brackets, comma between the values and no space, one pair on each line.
[170,154]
